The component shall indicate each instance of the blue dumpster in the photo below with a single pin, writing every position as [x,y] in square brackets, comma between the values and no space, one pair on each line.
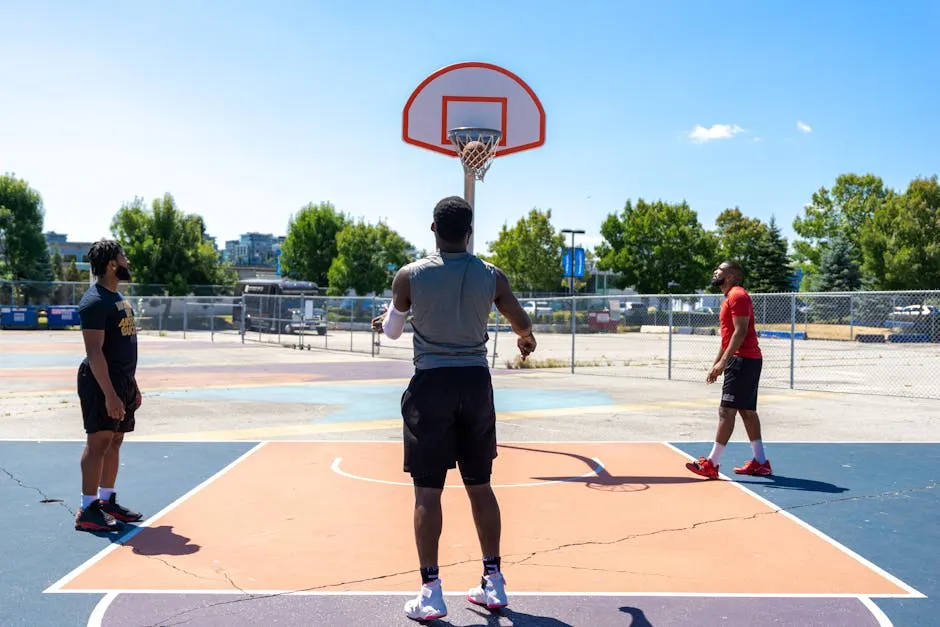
[62,316]
[19,317]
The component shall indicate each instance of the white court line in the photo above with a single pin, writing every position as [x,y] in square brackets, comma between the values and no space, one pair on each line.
[912,592]
[97,615]
[57,586]
[877,612]
[599,467]
[362,593]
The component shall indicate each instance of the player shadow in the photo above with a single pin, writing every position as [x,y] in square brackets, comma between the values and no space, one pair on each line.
[161,541]
[637,617]
[781,482]
[602,479]
[517,619]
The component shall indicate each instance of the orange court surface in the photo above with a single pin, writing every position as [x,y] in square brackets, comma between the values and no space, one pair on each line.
[625,516]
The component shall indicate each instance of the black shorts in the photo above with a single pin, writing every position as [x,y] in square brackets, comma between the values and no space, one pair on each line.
[95,410]
[741,380]
[449,420]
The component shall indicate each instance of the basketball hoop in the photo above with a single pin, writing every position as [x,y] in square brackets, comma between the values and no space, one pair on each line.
[476,148]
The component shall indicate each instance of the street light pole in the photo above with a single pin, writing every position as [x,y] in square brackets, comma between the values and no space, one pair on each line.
[571,288]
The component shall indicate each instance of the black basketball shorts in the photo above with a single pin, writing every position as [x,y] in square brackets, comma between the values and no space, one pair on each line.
[449,420]
[741,381]
[95,410]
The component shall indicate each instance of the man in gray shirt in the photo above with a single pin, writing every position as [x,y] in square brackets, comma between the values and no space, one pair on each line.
[448,412]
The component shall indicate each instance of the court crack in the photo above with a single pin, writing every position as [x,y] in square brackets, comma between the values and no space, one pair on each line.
[702,523]
[45,497]
[526,557]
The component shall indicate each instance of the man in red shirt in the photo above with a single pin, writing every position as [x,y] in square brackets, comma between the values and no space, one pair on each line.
[740,360]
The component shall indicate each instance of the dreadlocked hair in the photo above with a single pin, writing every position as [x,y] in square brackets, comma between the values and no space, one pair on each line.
[102,253]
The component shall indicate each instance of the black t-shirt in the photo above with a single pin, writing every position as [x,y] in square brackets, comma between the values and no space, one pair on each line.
[102,309]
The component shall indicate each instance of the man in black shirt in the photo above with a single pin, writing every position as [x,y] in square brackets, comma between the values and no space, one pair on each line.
[107,387]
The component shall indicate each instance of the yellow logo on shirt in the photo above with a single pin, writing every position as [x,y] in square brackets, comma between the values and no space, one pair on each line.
[127,324]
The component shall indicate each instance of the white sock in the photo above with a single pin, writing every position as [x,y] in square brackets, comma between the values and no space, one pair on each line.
[105,493]
[758,448]
[88,499]
[717,449]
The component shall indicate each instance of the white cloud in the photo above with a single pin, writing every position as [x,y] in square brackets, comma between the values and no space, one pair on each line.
[803,126]
[717,131]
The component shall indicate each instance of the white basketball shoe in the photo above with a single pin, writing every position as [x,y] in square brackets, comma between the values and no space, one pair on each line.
[429,604]
[491,593]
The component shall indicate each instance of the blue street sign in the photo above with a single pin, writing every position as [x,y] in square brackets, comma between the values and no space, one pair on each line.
[578,262]
[277,259]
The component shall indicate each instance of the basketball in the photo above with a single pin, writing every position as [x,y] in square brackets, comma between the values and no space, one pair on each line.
[474,154]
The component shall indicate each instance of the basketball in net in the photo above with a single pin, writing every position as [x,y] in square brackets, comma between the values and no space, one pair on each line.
[475,154]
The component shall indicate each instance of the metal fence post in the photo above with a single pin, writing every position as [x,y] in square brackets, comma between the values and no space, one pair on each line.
[792,337]
[573,328]
[242,322]
[669,350]
[851,318]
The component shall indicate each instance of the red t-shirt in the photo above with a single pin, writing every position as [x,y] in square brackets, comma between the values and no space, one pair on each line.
[738,303]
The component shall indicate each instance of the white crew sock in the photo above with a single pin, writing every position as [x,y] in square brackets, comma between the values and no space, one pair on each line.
[717,450]
[88,499]
[758,448]
[105,493]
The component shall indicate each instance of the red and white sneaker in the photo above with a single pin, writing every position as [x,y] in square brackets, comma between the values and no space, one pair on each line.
[754,468]
[704,467]
[491,593]
[429,604]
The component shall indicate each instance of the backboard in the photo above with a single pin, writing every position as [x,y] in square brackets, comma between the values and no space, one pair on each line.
[473,94]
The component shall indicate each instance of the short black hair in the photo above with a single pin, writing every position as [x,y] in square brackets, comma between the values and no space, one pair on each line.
[735,267]
[452,217]
[101,253]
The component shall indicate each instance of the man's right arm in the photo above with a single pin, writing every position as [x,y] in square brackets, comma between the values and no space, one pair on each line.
[508,305]
[93,322]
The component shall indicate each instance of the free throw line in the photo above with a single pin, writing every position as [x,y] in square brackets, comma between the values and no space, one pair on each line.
[599,466]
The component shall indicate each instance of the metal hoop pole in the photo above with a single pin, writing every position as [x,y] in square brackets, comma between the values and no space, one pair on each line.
[469,188]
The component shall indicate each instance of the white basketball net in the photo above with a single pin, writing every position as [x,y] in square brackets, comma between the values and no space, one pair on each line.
[477,159]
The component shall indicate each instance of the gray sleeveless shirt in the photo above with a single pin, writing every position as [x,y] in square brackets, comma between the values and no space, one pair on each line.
[451,299]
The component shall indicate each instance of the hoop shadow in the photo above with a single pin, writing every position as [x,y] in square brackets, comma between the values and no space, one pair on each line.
[603,480]
[161,541]
[781,482]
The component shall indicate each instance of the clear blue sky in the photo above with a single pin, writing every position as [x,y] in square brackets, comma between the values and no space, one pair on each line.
[247,111]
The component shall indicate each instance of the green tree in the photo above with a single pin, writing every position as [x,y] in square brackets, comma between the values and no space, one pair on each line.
[657,248]
[902,242]
[838,270]
[168,247]
[739,237]
[845,209]
[530,253]
[771,270]
[23,247]
[367,257]
[310,246]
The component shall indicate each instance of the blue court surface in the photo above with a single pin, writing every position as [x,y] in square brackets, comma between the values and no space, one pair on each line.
[878,500]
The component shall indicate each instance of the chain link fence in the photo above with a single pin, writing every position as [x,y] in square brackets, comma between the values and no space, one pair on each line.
[885,343]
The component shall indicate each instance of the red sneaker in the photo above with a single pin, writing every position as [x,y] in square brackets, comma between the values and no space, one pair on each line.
[752,467]
[704,467]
